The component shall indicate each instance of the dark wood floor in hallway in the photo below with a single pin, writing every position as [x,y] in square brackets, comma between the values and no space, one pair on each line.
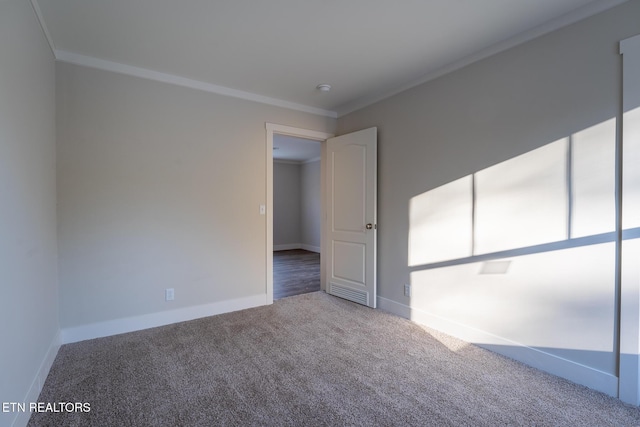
[295,272]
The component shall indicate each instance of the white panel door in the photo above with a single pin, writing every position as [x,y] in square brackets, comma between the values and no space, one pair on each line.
[351,216]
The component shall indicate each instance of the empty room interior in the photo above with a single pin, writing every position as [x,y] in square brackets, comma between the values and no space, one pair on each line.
[452,187]
[297,212]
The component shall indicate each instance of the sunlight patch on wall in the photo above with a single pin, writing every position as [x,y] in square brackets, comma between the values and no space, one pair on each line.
[522,201]
[440,223]
[562,190]
[559,302]
[631,170]
[593,180]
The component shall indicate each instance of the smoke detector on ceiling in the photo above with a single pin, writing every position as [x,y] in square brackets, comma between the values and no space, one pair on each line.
[323,87]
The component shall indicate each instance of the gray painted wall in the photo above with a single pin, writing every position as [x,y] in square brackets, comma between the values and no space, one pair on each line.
[286,204]
[476,117]
[486,113]
[157,184]
[311,209]
[159,187]
[296,205]
[28,266]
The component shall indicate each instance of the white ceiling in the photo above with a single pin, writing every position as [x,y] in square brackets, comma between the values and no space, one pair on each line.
[277,51]
[295,150]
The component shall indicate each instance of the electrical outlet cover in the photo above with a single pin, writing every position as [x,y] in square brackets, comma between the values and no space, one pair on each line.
[407,290]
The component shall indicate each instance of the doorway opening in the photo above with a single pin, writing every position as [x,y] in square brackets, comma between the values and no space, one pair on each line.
[296,215]
[295,210]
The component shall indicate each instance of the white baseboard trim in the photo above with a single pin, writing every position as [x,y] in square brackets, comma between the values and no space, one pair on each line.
[22,418]
[310,248]
[287,247]
[573,371]
[145,321]
[291,246]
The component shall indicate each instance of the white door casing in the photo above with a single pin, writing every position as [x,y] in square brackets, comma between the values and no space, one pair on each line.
[351,216]
[271,129]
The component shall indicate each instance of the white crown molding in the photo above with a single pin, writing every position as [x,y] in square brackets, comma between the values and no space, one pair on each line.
[300,133]
[570,18]
[116,67]
[296,162]
[315,159]
[87,61]
[45,30]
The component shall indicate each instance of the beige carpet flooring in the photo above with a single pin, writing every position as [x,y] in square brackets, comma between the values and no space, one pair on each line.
[310,360]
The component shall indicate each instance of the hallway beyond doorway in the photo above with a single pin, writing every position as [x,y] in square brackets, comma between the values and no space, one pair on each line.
[295,272]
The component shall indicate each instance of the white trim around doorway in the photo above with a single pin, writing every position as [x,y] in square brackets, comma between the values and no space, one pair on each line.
[272,129]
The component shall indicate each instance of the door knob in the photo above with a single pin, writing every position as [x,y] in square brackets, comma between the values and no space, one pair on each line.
[369,226]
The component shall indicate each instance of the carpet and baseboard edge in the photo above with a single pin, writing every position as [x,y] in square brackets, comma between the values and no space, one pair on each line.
[575,372]
[152,320]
